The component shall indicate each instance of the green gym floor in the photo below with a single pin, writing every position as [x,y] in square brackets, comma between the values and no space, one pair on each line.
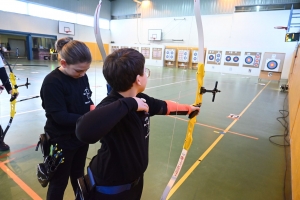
[242,165]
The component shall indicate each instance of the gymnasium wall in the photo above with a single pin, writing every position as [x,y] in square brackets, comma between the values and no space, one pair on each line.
[253,31]
[294,109]
[26,23]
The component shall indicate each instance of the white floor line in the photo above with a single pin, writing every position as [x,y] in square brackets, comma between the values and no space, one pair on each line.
[21,113]
[169,84]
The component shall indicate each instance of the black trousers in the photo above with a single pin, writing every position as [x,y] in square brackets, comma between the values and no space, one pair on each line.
[134,193]
[72,167]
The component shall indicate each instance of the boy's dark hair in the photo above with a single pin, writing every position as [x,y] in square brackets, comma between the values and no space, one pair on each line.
[121,68]
[73,51]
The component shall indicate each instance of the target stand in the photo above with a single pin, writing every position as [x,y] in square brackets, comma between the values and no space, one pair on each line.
[268,75]
[272,65]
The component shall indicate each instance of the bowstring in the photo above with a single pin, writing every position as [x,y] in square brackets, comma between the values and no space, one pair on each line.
[179,97]
[175,121]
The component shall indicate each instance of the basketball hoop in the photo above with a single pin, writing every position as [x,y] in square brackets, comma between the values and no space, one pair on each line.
[67,30]
[280,27]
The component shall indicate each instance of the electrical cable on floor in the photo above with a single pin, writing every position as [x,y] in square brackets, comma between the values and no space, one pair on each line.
[286,143]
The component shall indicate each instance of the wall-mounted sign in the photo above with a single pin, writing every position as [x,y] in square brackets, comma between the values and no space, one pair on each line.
[146,52]
[156,53]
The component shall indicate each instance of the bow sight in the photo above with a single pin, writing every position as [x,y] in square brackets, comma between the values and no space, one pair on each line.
[214,91]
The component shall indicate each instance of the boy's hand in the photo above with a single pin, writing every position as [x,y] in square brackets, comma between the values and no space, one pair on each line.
[195,111]
[142,105]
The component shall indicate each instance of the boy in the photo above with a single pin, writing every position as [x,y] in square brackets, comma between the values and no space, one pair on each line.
[121,123]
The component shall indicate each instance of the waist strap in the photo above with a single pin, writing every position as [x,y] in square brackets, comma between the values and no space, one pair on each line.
[116,189]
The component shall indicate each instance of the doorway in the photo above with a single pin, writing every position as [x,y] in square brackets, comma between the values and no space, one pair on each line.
[18,47]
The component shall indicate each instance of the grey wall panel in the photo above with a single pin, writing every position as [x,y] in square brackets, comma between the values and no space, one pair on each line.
[173,8]
[123,7]
[86,7]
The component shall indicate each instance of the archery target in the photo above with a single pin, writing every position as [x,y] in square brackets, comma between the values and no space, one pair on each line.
[249,60]
[214,57]
[211,57]
[272,65]
[232,58]
[170,54]
[252,59]
[183,55]
[218,57]
[236,59]
[195,57]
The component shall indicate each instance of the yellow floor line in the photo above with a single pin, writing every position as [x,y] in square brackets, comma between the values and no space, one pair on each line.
[243,135]
[186,175]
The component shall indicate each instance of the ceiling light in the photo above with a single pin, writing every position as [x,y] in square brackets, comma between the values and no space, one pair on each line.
[136,1]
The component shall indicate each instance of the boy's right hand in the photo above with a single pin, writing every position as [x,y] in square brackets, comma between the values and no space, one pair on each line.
[142,105]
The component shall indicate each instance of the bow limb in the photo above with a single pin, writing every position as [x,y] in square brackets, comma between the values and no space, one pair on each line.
[199,75]
[198,101]
[98,37]
[97,31]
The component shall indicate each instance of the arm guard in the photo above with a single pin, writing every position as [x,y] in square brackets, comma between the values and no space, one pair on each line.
[178,109]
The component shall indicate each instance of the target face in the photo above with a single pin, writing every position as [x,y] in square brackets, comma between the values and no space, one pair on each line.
[248,59]
[183,55]
[232,58]
[236,59]
[272,64]
[195,57]
[252,59]
[170,54]
[214,57]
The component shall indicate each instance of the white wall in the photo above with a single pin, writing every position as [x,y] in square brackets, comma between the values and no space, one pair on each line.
[26,23]
[231,32]
[252,31]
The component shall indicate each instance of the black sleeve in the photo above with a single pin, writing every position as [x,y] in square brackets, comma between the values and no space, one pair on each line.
[92,126]
[4,79]
[55,105]
[156,106]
